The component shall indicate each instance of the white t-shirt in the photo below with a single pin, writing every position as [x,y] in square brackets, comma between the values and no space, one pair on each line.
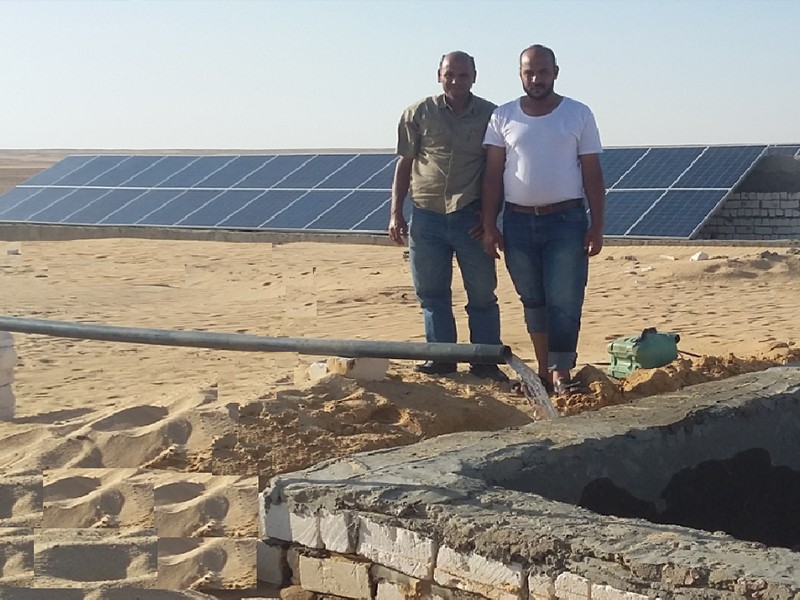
[542,165]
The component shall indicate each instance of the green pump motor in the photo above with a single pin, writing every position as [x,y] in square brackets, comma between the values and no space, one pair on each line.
[648,350]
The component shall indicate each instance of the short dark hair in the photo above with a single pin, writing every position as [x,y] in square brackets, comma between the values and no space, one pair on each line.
[540,48]
[458,54]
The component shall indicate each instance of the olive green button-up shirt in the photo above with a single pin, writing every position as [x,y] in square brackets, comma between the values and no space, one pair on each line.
[448,152]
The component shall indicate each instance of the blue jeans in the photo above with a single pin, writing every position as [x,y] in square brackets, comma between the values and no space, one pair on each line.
[433,240]
[549,267]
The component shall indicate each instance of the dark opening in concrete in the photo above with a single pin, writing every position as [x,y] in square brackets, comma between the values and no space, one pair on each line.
[745,496]
[728,465]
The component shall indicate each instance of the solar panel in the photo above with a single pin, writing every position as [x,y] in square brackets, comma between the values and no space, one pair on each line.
[784,150]
[652,192]
[671,192]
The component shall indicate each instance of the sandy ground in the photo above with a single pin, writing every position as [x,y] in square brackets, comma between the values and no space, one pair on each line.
[137,465]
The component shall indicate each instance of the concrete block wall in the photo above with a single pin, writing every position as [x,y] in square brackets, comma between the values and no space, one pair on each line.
[8,359]
[370,559]
[756,216]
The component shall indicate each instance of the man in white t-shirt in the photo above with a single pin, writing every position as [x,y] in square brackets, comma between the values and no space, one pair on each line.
[543,159]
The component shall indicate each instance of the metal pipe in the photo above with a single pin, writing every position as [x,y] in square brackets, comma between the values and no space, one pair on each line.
[472,353]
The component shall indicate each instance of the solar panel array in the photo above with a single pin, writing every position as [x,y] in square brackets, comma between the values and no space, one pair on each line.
[652,192]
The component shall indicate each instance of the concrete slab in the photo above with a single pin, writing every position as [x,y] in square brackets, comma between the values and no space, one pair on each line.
[513,496]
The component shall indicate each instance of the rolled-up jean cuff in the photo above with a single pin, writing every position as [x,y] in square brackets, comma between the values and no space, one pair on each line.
[561,361]
[536,319]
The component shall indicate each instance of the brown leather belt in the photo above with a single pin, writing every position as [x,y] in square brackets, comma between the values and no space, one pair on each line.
[546,209]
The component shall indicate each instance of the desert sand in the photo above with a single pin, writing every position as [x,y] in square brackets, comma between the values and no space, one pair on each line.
[137,465]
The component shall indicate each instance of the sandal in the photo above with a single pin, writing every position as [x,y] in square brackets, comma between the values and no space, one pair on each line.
[569,387]
[518,389]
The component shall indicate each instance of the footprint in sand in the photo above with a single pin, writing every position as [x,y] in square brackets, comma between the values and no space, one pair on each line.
[138,416]
[69,488]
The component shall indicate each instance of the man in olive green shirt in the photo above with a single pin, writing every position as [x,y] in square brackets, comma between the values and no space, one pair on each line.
[441,161]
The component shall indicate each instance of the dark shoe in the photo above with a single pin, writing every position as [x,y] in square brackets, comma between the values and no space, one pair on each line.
[492,372]
[433,367]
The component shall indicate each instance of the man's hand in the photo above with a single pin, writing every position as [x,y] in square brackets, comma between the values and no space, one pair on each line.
[476,233]
[398,229]
[593,242]
[492,241]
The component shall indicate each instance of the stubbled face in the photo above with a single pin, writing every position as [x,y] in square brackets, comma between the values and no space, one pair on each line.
[538,74]
[456,76]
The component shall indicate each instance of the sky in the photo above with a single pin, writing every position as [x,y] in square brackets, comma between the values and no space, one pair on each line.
[335,74]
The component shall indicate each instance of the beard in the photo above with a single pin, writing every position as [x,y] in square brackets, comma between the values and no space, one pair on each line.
[538,92]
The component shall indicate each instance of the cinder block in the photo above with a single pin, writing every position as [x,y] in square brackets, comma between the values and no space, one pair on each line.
[400,549]
[364,369]
[338,532]
[271,564]
[282,524]
[572,587]
[606,592]
[335,575]
[541,587]
[475,573]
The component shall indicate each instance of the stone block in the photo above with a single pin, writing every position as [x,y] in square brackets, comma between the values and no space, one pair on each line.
[336,575]
[337,531]
[541,587]
[606,592]
[475,573]
[283,524]
[438,592]
[390,591]
[411,587]
[401,549]
[271,564]
[572,587]
[8,403]
[363,369]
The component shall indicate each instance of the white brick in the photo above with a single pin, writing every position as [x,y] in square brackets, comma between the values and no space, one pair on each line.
[334,529]
[300,528]
[541,587]
[410,587]
[475,573]
[400,549]
[572,587]
[7,403]
[335,575]
[390,591]
[363,369]
[271,564]
[606,592]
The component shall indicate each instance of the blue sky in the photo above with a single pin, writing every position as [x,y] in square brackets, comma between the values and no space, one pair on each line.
[336,74]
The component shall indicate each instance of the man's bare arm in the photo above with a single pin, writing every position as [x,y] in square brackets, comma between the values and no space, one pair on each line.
[398,227]
[492,199]
[595,189]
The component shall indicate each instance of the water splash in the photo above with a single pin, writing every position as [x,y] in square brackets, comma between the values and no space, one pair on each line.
[532,387]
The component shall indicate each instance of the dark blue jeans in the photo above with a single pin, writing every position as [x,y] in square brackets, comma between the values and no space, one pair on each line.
[433,240]
[549,267]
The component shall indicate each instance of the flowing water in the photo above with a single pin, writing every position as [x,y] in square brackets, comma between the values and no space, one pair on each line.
[532,387]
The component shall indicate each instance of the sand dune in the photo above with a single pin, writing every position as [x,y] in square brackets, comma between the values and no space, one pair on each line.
[151,457]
